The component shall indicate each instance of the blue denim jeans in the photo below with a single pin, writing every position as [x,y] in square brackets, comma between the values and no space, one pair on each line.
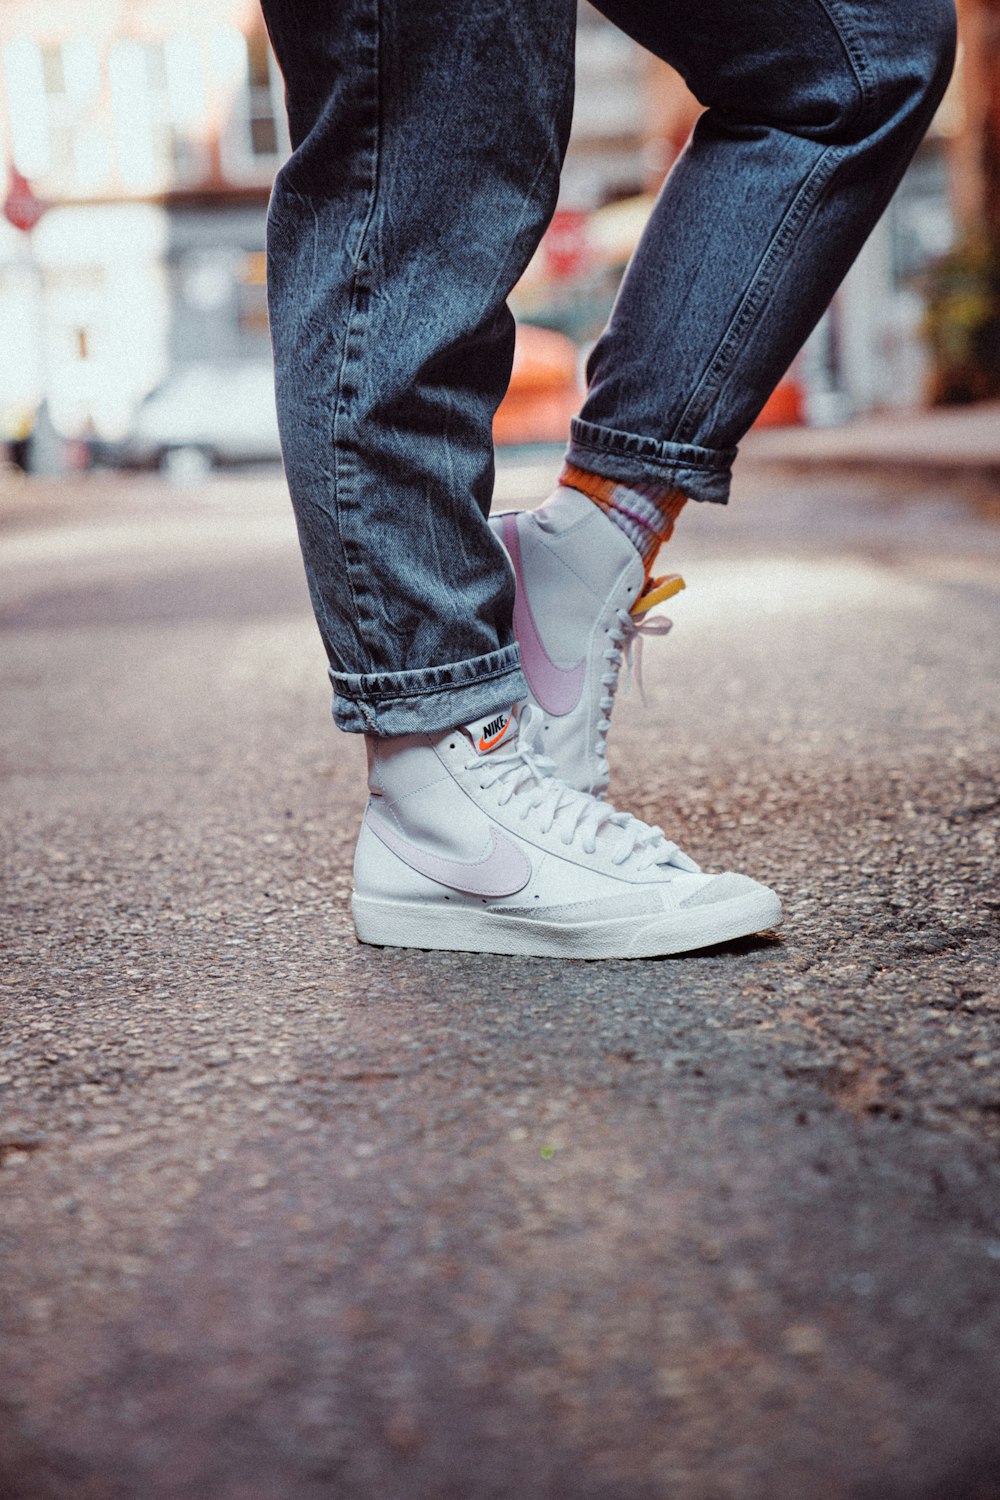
[428,138]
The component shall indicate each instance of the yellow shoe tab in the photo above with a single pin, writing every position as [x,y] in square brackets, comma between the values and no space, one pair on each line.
[657,591]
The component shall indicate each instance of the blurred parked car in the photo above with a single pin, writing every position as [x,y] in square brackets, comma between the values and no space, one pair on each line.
[203,415]
[208,414]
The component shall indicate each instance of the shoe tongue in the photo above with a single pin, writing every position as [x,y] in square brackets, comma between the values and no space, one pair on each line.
[495,731]
[565,507]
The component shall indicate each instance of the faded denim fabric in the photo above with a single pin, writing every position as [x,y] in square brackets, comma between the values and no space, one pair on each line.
[428,137]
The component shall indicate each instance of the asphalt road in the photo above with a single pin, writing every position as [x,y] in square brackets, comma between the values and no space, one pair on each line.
[283,1218]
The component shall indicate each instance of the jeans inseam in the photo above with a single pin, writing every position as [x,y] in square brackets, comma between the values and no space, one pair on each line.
[755,297]
[860,66]
[710,383]
[356,320]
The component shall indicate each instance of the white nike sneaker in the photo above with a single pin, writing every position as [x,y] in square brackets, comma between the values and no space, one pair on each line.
[469,842]
[581,606]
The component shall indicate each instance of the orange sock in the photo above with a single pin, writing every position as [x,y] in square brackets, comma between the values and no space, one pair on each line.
[645,512]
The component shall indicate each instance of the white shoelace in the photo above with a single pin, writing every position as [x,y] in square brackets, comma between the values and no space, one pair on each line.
[523,771]
[625,647]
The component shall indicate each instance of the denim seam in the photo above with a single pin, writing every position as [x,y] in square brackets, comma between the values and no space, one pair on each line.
[848,38]
[759,289]
[356,320]
[756,294]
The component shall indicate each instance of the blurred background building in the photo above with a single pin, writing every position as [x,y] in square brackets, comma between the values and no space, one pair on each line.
[152,131]
[144,135]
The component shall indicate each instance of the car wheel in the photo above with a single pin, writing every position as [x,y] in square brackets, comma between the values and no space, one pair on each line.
[188,465]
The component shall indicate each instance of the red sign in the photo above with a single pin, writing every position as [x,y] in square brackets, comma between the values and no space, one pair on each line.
[21,207]
[565,246]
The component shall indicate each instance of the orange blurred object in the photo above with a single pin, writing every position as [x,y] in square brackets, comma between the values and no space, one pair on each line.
[784,407]
[544,391]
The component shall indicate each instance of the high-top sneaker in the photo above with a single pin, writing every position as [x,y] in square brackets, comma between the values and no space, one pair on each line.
[470,842]
[582,604]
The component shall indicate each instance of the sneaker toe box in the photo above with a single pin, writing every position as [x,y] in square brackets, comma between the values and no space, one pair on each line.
[728,887]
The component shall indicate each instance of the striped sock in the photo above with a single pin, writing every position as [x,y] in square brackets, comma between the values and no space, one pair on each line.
[645,512]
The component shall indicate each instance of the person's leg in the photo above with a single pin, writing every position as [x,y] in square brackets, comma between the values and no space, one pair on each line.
[814,109]
[428,140]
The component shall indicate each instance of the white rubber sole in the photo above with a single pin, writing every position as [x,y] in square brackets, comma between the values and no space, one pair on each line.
[403,924]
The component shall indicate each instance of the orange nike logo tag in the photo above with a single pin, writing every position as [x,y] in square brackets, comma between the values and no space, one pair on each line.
[488,744]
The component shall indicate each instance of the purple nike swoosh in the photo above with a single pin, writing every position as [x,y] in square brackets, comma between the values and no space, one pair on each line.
[556,689]
[503,869]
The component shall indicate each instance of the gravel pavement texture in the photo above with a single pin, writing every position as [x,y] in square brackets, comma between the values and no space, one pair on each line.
[285,1218]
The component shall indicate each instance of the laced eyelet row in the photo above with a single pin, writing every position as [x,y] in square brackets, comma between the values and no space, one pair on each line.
[522,771]
[625,648]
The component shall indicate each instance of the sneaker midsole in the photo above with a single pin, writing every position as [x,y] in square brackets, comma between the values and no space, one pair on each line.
[406,924]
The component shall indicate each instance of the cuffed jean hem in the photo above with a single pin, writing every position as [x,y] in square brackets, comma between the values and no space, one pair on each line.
[700,473]
[430,700]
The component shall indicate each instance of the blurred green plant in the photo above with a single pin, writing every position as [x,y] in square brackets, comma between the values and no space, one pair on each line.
[962,322]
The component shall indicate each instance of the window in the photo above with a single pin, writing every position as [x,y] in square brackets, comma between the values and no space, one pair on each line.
[52,70]
[54,94]
[251,296]
[255,138]
[24,75]
[263,122]
[158,99]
